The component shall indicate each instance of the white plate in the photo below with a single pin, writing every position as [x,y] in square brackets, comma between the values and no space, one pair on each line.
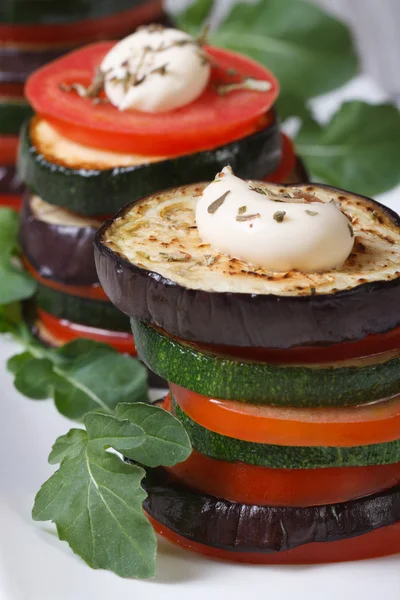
[35,565]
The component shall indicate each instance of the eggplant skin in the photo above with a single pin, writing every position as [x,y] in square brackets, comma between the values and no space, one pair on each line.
[17,65]
[266,529]
[247,320]
[10,183]
[60,252]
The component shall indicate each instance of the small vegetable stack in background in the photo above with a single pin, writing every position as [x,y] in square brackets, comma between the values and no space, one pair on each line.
[34,33]
[114,122]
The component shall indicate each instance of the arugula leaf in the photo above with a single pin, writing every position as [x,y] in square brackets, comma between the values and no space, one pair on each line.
[309,51]
[67,446]
[82,376]
[95,499]
[358,150]
[166,442]
[193,18]
[15,283]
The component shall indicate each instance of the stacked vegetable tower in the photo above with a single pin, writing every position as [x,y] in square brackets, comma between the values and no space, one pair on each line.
[110,128]
[279,334]
[34,33]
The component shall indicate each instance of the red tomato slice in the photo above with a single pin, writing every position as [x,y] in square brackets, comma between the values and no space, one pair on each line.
[94,292]
[287,164]
[64,331]
[209,121]
[8,149]
[369,346]
[82,32]
[381,542]
[248,484]
[11,90]
[11,201]
[350,426]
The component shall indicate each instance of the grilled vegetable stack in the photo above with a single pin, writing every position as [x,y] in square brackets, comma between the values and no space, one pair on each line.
[34,33]
[84,155]
[287,379]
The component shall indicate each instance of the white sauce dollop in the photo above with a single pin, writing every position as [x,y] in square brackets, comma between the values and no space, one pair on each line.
[306,236]
[155,70]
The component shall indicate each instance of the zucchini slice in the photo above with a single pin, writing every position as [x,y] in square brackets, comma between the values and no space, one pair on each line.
[86,311]
[230,449]
[13,112]
[352,382]
[238,527]
[57,242]
[96,182]
[151,260]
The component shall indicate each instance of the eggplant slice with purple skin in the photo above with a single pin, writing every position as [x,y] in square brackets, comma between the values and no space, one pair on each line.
[10,183]
[17,64]
[153,266]
[238,527]
[57,242]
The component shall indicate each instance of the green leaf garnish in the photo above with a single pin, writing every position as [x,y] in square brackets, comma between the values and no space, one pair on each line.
[95,499]
[193,18]
[358,150]
[309,51]
[16,284]
[82,376]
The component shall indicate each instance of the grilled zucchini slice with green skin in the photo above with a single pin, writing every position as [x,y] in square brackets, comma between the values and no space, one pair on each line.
[346,383]
[230,449]
[96,182]
[85,311]
[57,242]
[13,112]
[239,527]
[153,265]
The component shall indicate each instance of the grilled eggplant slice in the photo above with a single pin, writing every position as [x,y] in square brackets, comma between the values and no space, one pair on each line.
[57,242]
[10,183]
[153,265]
[94,182]
[266,529]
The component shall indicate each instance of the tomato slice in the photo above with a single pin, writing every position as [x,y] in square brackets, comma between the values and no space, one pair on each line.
[8,149]
[371,345]
[287,164]
[94,292]
[82,32]
[11,201]
[349,426]
[60,332]
[248,484]
[381,542]
[209,121]
[11,90]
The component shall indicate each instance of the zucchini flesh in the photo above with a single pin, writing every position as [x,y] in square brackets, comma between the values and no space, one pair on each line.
[99,191]
[261,383]
[272,456]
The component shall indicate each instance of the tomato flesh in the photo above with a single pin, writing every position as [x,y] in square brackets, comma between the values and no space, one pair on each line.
[11,201]
[211,120]
[65,331]
[248,484]
[339,427]
[381,542]
[287,164]
[8,149]
[369,346]
[82,32]
[94,292]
